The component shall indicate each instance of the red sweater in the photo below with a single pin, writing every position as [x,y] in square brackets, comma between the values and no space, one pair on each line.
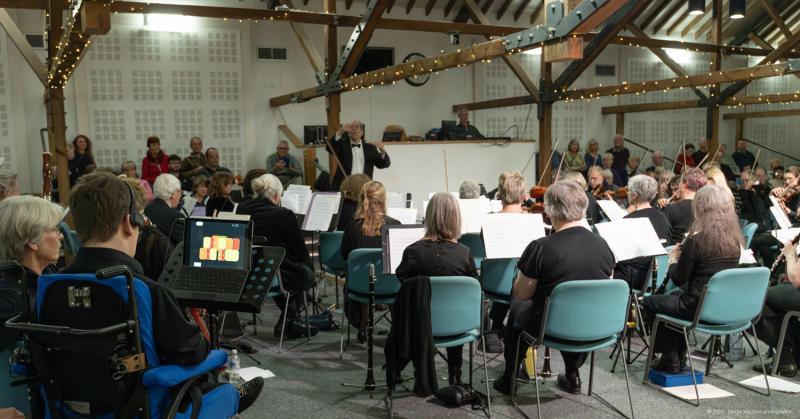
[151,169]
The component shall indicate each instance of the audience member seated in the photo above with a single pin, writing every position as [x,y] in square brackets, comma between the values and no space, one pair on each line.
[702,150]
[633,167]
[174,163]
[685,157]
[469,190]
[440,254]
[200,191]
[8,184]
[463,130]
[593,156]
[155,162]
[713,244]
[153,248]
[285,166]
[365,232]
[246,192]
[212,165]
[570,253]
[658,162]
[163,210]
[219,192]
[680,214]
[620,158]
[641,191]
[82,160]
[616,176]
[129,170]
[742,156]
[351,191]
[573,162]
[194,163]
[279,226]
[781,299]
[101,209]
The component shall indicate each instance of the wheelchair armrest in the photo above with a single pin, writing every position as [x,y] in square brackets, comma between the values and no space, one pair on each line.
[171,375]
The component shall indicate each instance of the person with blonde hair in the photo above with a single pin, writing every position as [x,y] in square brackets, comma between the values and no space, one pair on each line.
[280,227]
[29,234]
[364,232]
[351,192]
[715,176]
[570,253]
[511,189]
[440,254]
[713,244]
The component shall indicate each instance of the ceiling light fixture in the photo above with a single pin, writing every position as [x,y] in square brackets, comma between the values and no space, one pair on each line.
[737,9]
[697,7]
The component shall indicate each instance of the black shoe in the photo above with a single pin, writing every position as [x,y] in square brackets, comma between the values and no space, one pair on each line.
[503,386]
[784,370]
[570,384]
[669,363]
[493,344]
[248,393]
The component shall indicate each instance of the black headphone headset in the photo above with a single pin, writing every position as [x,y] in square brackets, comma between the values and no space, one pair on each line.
[137,218]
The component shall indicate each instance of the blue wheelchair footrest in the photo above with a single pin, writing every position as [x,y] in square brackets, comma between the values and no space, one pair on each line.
[683,378]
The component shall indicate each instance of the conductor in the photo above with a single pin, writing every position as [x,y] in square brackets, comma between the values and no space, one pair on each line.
[355,155]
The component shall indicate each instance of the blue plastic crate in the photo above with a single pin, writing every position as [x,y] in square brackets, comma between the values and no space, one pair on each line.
[683,378]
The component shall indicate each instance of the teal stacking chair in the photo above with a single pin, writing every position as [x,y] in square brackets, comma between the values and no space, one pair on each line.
[357,284]
[589,327]
[72,243]
[456,312]
[748,232]
[497,280]
[330,258]
[475,244]
[784,327]
[730,303]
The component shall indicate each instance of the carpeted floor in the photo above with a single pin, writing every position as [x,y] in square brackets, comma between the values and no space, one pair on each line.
[308,384]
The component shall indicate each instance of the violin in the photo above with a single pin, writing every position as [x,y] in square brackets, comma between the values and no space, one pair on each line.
[535,204]
[788,194]
[617,195]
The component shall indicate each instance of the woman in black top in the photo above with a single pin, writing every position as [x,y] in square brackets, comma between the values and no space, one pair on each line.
[351,190]
[279,226]
[365,232]
[641,190]
[80,164]
[714,244]
[440,254]
[219,192]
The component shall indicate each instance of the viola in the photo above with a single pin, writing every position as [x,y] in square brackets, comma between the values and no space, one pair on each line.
[537,192]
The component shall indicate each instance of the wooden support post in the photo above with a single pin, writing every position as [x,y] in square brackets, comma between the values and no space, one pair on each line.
[54,104]
[739,129]
[333,104]
[620,128]
[545,124]
[712,113]
[18,38]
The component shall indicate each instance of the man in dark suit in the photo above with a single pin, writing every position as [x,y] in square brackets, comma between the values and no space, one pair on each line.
[356,155]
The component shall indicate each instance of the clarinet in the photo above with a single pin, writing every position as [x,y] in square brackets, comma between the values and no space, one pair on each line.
[369,384]
[546,372]
[781,257]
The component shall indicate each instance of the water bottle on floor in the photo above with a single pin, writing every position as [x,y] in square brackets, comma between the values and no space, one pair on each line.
[233,367]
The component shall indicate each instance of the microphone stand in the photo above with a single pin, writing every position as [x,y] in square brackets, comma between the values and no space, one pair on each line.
[369,384]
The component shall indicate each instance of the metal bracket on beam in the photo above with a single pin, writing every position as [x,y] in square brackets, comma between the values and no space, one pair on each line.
[333,78]
[529,38]
[555,12]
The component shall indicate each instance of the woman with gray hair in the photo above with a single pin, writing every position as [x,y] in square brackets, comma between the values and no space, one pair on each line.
[279,226]
[641,192]
[440,254]
[469,190]
[29,234]
[570,253]
[8,184]
[713,243]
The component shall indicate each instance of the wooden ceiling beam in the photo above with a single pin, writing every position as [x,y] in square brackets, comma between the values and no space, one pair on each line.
[495,103]
[486,6]
[512,62]
[347,4]
[692,46]
[309,17]
[722,76]
[18,39]
[697,19]
[449,7]
[776,18]
[23,4]
[678,21]
[86,19]
[537,16]
[410,5]
[359,39]
[502,10]
[762,114]
[669,15]
[790,13]
[657,9]
[308,47]
[665,58]
[759,41]
[429,7]
[524,5]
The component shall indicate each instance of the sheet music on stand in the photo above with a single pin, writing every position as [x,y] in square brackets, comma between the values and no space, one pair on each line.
[780,217]
[495,205]
[188,205]
[296,199]
[404,215]
[394,240]
[395,200]
[631,238]
[611,209]
[473,212]
[507,235]
[321,209]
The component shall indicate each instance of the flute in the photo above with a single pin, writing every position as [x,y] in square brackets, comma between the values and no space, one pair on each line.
[781,257]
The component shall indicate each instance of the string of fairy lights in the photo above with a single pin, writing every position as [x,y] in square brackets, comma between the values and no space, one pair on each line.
[72,47]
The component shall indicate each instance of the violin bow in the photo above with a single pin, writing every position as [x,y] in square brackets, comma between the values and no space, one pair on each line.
[335,157]
[549,159]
